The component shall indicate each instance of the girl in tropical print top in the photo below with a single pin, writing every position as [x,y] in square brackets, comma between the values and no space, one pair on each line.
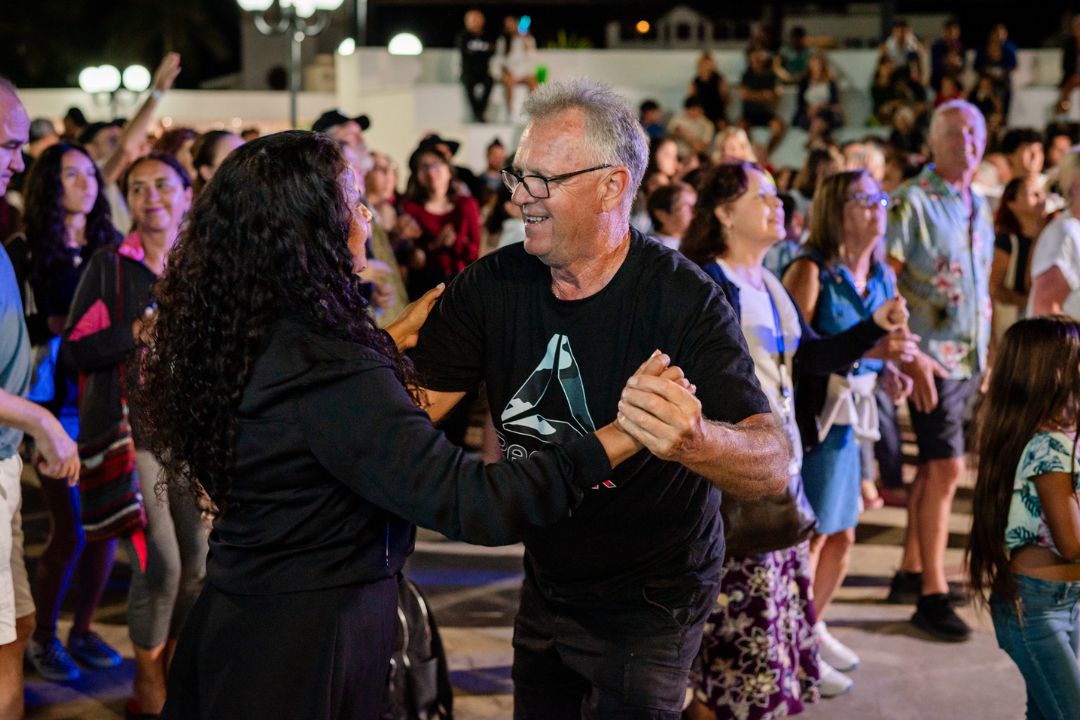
[1024,549]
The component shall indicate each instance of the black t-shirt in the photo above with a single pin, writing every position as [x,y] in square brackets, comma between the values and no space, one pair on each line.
[476,51]
[766,80]
[554,370]
[1004,242]
[708,92]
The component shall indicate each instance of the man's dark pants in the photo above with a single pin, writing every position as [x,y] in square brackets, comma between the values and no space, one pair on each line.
[629,660]
[479,91]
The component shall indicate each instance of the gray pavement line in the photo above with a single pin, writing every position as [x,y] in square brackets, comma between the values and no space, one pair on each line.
[447,547]
[446,600]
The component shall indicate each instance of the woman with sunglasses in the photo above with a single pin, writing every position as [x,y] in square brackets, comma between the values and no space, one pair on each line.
[838,282]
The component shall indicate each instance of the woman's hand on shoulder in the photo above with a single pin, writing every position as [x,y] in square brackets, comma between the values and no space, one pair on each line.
[406,329]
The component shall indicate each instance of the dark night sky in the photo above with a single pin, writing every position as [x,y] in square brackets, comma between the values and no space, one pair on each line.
[49,41]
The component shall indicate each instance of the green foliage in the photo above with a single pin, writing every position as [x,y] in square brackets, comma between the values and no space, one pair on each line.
[565,41]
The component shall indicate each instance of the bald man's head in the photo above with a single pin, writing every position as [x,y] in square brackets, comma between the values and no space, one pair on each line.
[14,133]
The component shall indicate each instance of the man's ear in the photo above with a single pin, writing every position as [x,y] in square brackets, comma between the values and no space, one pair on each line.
[614,188]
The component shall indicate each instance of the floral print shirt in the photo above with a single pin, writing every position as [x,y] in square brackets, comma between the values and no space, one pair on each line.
[1046,452]
[947,257]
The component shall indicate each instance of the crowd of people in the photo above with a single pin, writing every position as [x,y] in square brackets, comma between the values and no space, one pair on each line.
[692,364]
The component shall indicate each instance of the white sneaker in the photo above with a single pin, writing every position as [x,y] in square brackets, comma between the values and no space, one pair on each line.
[833,682]
[834,652]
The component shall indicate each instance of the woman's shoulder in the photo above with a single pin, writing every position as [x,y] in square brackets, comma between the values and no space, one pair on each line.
[312,346]
[467,205]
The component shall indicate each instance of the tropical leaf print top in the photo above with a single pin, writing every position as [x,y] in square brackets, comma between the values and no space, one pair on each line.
[1046,452]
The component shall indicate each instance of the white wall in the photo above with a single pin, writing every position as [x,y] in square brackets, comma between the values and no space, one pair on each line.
[201,109]
[407,96]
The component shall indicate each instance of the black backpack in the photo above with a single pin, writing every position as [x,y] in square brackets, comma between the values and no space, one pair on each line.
[418,686]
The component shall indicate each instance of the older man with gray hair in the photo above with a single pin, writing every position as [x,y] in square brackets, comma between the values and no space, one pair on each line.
[614,597]
[940,239]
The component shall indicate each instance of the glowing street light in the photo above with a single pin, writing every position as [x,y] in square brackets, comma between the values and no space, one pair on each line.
[106,81]
[405,44]
[642,26]
[136,78]
[347,47]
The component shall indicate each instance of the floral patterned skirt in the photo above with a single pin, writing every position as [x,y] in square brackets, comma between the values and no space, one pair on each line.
[759,656]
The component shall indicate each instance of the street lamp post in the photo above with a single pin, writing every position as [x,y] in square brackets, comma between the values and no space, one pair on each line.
[300,19]
[106,80]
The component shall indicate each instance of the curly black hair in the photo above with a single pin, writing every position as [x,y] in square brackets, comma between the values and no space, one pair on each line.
[268,237]
[45,215]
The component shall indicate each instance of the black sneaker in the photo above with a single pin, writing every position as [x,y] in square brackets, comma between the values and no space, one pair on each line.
[906,588]
[935,616]
[89,649]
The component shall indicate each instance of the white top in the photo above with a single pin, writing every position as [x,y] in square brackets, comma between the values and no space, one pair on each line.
[817,93]
[1059,246]
[759,329]
[519,59]
[513,231]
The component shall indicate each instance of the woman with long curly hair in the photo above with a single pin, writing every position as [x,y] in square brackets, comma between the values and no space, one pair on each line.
[107,316]
[67,221]
[268,388]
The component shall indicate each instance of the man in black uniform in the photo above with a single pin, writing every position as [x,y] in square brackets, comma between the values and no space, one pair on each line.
[476,51]
[614,598]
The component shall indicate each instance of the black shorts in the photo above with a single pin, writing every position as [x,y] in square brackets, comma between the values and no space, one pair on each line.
[940,432]
[758,116]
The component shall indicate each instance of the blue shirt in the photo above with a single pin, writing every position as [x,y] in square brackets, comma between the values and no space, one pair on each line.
[14,349]
[840,306]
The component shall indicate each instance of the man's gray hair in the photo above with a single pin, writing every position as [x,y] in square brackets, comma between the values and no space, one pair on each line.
[613,134]
[953,106]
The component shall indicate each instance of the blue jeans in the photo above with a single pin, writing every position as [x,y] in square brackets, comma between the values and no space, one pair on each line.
[1041,633]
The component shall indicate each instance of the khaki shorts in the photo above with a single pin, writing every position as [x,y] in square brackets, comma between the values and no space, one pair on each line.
[15,598]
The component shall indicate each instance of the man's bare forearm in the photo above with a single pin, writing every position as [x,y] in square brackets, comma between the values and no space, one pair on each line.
[748,460]
[20,413]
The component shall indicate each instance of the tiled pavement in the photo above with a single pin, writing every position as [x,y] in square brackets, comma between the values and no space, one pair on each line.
[473,592]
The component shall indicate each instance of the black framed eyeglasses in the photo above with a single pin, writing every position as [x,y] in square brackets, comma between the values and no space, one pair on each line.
[870,200]
[538,185]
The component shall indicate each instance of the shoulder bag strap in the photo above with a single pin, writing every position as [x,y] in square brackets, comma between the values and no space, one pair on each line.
[118,317]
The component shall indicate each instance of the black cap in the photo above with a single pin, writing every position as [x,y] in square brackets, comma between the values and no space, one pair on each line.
[414,159]
[330,118]
[433,139]
[90,131]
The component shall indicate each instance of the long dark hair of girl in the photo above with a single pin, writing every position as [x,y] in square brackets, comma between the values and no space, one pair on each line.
[705,238]
[45,215]
[1035,381]
[1005,221]
[268,237]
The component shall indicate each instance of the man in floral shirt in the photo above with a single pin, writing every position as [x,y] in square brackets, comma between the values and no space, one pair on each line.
[940,241]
